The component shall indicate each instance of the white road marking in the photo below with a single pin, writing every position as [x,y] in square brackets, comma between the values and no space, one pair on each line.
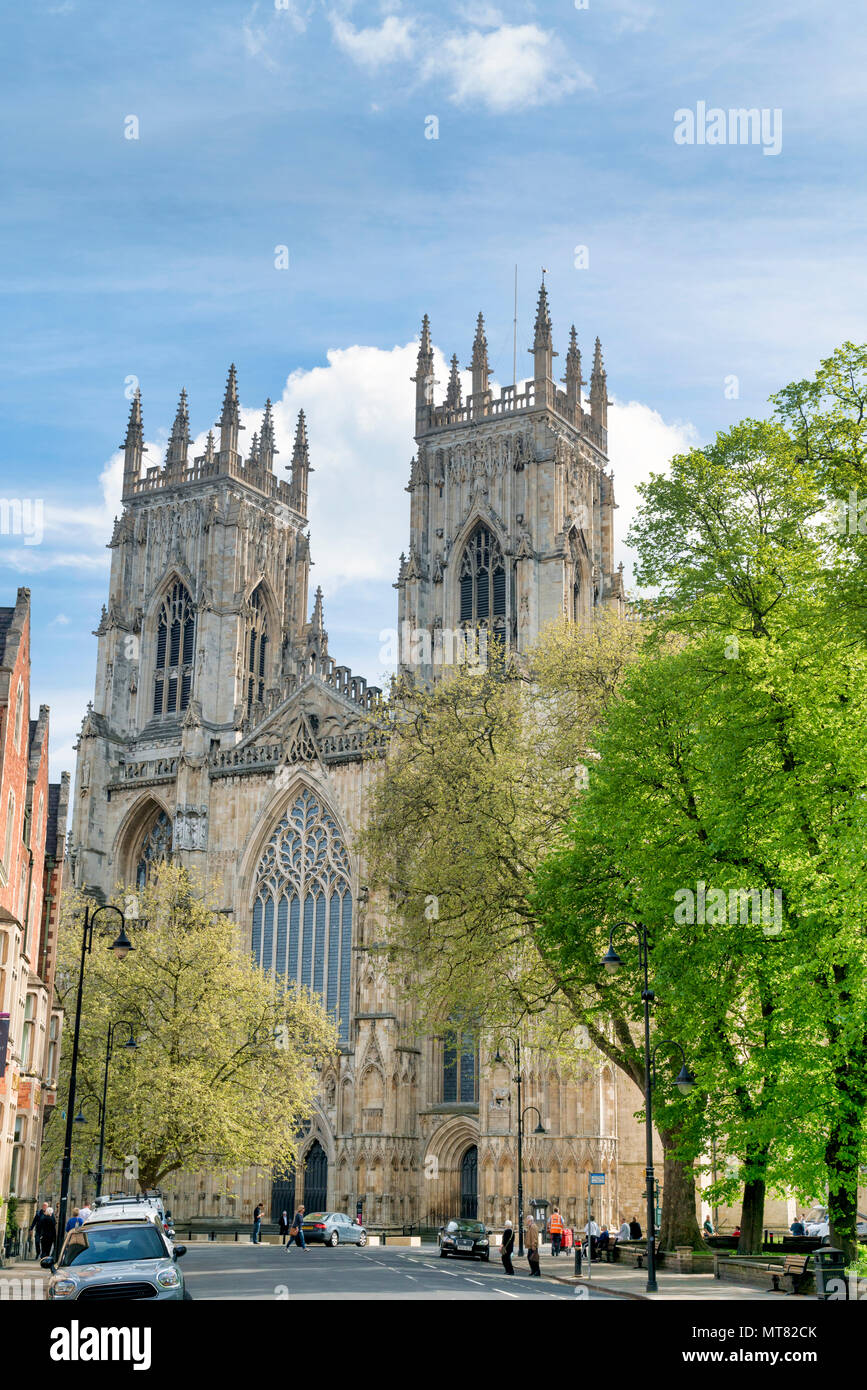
[474,1281]
[508,1293]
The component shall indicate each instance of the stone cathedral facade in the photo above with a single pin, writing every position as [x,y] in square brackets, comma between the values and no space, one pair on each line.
[224,733]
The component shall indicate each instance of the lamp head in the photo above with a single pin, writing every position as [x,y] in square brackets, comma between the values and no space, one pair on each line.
[121,945]
[611,961]
[685,1080]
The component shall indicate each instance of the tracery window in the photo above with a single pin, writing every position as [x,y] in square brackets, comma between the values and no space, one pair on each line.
[459,1065]
[302,912]
[256,649]
[483,583]
[176,641]
[156,848]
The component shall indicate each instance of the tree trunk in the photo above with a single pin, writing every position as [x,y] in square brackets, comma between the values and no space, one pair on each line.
[842,1153]
[679,1225]
[753,1205]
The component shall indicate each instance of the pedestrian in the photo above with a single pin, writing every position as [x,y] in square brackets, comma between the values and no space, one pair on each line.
[36,1226]
[604,1243]
[798,1228]
[707,1226]
[531,1240]
[47,1232]
[555,1230]
[74,1220]
[284,1226]
[257,1224]
[84,1211]
[296,1231]
[506,1247]
[635,1229]
[625,1233]
[591,1231]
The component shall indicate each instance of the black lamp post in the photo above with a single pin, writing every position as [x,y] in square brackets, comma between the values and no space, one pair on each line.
[131,1044]
[121,947]
[540,1129]
[685,1080]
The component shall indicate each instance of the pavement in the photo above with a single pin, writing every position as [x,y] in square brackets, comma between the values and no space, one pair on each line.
[218,1271]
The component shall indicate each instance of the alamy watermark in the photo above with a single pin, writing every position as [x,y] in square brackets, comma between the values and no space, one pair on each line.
[445,646]
[23,516]
[740,125]
[730,907]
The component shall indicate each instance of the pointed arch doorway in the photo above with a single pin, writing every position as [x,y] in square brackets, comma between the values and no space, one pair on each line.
[470,1184]
[316,1178]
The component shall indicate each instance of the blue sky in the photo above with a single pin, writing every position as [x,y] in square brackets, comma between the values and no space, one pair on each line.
[304,126]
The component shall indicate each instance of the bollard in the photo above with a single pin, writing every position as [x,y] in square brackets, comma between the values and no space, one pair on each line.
[577,1257]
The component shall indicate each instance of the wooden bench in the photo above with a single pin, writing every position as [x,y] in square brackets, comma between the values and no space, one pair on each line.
[639,1261]
[795,1269]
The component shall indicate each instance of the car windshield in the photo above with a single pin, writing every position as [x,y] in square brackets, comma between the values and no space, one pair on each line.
[316,1216]
[467,1228]
[111,1244]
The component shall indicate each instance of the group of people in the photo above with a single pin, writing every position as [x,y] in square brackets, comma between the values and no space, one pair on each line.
[596,1240]
[290,1231]
[43,1227]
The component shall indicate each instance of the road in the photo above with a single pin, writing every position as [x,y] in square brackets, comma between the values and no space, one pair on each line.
[247,1271]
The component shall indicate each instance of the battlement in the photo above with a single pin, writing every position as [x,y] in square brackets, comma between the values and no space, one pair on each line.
[513,401]
[263,480]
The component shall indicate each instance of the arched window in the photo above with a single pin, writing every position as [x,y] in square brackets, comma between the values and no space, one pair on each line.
[176,641]
[156,848]
[483,583]
[302,913]
[459,1066]
[256,649]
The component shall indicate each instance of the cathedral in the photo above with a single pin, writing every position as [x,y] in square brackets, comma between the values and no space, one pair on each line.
[223,733]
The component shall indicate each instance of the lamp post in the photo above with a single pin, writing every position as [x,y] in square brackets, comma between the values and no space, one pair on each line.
[121,947]
[685,1080]
[540,1129]
[109,1041]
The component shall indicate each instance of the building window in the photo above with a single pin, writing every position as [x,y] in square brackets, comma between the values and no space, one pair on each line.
[27,1034]
[40,829]
[256,649]
[483,583]
[19,715]
[459,1066]
[176,641]
[53,1039]
[156,848]
[302,912]
[17,1146]
[10,830]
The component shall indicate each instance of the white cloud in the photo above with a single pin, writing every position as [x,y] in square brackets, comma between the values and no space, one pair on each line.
[512,67]
[640,442]
[374,48]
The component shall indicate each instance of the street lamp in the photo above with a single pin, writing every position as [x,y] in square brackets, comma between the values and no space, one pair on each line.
[121,946]
[685,1079]
[540,1129]
[130,1044]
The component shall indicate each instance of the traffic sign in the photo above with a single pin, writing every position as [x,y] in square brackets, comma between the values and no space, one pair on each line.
[597,1179]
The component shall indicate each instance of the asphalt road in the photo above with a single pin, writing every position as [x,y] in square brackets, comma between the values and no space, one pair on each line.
[247,1271]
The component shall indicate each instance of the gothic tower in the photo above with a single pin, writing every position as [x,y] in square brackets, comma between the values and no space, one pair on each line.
[512,504]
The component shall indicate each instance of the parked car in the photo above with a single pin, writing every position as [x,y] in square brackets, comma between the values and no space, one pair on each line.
[136,1200]
[463,1237]
[118,1258]
[332,1228]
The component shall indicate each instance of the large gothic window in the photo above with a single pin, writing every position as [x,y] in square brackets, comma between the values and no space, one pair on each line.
[483,583]
[256,645]
[302,913]
[459,1066]
[176,641]
[156,848]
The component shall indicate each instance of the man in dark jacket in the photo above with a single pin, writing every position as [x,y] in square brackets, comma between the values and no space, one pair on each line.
[47,1232]
[36,1226]
[506,1247]
[635,1229]
[257,1224]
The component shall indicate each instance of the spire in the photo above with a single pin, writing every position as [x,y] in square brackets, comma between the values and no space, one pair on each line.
[133,444]
[209,448]
[230,419]
[317,637]
[543,349]
[317,620]
[300,467]
[453,392]
[479,365]
[179,439]
[598,389]
[424,376]
[573,371]
[254,447]
[267,448]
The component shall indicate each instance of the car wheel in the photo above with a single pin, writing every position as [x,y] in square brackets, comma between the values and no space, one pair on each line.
[362,1239]
[487,1257]
[333,1239]
[442,1253]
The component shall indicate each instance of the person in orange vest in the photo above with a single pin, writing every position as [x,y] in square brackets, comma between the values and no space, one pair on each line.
[555,1230]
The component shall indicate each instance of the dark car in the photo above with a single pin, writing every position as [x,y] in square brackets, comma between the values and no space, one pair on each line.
[462,1237]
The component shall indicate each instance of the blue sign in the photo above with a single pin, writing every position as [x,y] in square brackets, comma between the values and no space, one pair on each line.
[597,1179]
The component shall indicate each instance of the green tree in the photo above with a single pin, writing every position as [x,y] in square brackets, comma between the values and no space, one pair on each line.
[227,1062]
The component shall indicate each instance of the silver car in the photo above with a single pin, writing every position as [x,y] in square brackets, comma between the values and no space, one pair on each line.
[119,1259]
[332,1228]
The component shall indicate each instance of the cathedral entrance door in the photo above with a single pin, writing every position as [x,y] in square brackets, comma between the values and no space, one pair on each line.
[470,1184]
[283,1194]
[316,1179]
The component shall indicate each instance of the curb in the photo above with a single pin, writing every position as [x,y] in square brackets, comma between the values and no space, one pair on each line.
[603,1288]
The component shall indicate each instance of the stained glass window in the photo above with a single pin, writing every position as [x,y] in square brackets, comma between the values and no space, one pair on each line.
[483,583]
[176,640]
[156,848]
[302,911]
[256,650]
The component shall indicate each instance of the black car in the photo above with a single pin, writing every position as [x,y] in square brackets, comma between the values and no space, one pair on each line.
[462,1237]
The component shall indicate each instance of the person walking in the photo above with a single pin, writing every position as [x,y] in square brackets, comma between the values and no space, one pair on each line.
[555,1230]
[635,1229]
[531,1240]
[35,1228]
[257,1224]
[75,1219]
[798,1228]
[506,1247]
[284,1226]
[47,1232]
[296,1231]
[85,1211]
